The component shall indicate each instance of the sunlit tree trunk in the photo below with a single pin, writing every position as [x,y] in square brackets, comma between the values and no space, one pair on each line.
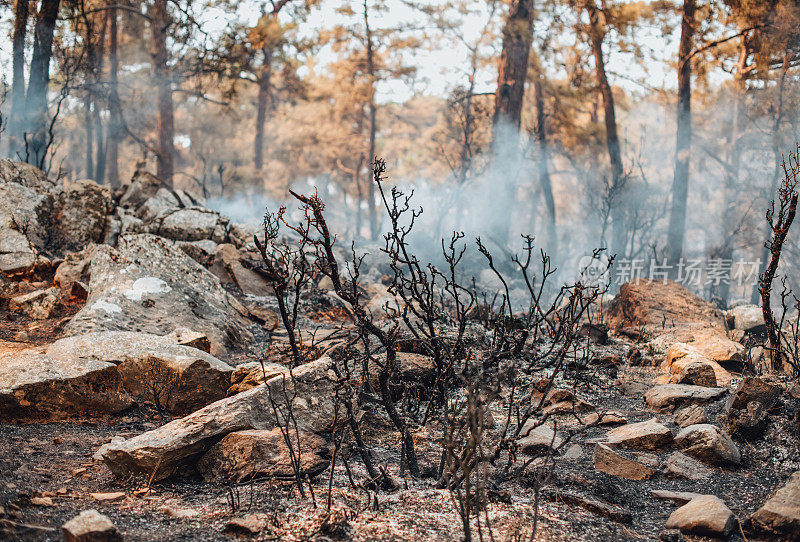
[596,34]
[264,89]
[38,82]
[163,80]
[18,108]
[683,143]
[512,71]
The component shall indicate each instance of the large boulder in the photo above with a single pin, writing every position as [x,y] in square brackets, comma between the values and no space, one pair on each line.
[159,453]
[709,444]
[148,285]
[258,453]
[32,384]
[178,378]
[781,513]
[651,306]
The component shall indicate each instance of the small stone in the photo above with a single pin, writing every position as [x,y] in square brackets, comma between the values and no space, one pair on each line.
[608,461]
[90,526]
[78,471]
[611,417]
[41,501]
[748,424]
[708,443]
[647,435]
[682,466]
[705,515]
[108,497]
[610,511]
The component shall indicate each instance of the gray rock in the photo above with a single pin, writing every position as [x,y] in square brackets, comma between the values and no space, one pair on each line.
[691,415]
[749,318]
[192,224]
[538,440]
[149,285]
[681,465]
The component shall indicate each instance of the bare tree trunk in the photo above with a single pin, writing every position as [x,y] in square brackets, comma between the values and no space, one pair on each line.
[264,89]
[163,80]
[543,165]
[115,113]
[18,107]
[683,143]
[596,35]
[512,71]
[38,82]
[373,128]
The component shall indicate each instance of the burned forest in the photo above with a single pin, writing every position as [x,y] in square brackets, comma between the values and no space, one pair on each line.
[424,270]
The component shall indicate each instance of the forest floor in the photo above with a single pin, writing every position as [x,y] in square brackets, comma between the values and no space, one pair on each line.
[48,475]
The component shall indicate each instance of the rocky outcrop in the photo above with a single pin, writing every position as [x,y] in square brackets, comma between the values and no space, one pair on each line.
[32,384]
[177,378]
[254,453]
[148,285]
[161,452]
[653,305]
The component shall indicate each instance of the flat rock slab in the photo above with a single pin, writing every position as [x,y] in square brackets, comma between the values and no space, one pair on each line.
[708,443]
[781,513]
[678,497]
[160,452]
[671,396]
[608,461]
[706,515]
[647,435]
[33,384]
[681,465]
[153,368]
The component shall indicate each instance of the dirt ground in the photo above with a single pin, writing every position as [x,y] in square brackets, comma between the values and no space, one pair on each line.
[54,459]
